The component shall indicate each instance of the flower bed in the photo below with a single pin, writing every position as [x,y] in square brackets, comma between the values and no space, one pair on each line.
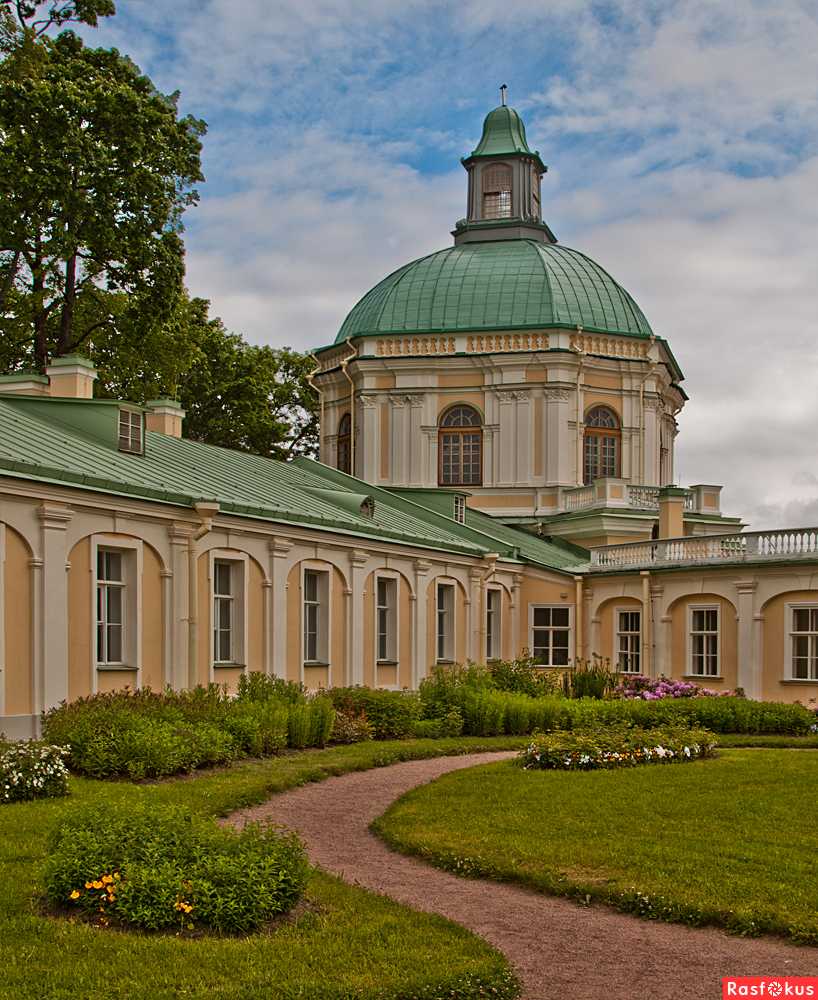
[593,749]
[32,770]
[159,868]
[654,689]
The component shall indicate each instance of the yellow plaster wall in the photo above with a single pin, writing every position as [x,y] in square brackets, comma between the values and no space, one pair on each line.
[454,381]
[774,650]
[80,653]
[115,680]
[495,501]
[728,640]
[153,675]
[601,380]
[383,382]
[535,374]
[535,591]
[605,613]
[591,399]
[447,399]
[17,625]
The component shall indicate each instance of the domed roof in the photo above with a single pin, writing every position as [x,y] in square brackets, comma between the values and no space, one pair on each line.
[503,132]
[497,285]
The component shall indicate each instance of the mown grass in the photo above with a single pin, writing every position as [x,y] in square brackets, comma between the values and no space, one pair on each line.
[729,841]
[772,741]
[344,943]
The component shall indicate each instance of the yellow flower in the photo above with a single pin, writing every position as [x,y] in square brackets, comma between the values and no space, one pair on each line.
[107,879]
[75,894]
[89,885]
[96,885]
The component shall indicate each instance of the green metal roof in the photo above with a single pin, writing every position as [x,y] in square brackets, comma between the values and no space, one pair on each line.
[76,445]
[503,133]
[496,285]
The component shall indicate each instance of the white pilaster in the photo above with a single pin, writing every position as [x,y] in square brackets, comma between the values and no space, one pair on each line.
[52,606]
[279,549]
[517,638]
[476,648]
[419,664]
[179,535]
[355,618]
[749,655]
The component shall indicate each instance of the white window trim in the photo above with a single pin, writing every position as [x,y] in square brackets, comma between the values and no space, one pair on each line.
[241,630]
[625,608]
[497,652]
[689,659]
[789,608]
[326,618]
[451,652]
[393,661]
[132,608]
[571,642]
[3,618]
[140,414]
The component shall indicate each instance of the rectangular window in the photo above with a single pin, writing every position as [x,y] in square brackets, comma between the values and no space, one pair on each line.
[628,641]
[316,616]
[445,621]
[110,606]
[804,643]
[460,509]
[386,619]
[704,642]
[493,624]
[551,635]
[224,612]
[131,423]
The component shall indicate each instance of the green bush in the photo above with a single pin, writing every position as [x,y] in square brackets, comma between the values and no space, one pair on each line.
[523,676]
[350,727]
[450,725]
[310,724]
[589,679]
[615,746]
[159,868]
[391,714]
[32,770]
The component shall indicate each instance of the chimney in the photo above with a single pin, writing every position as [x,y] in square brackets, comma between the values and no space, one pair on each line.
[671,511]
[24,384]
[71,377]
[164,416]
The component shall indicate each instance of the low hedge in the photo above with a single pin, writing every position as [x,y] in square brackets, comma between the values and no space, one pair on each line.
[392,714]
[160,868]
[614,747]
[32,770]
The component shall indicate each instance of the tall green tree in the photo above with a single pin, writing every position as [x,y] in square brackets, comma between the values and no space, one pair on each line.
[96,169]
[35,17]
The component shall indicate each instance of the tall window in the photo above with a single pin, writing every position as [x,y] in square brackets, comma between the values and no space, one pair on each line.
[445,621]
[314,616]
[386,615]
[224,612]
[460,442]
[628,641]
[704,642]
[601,450]
[551,635]
[497,192]
[804,643]
[493,624]
[131,424]
[344,446]
[110,606]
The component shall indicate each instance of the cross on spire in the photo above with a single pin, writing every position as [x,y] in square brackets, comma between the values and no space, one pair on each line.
[503,89]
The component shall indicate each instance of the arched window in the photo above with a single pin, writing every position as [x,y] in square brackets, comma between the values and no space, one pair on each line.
[460,443]
[344,447]
[497,192]
[602,437]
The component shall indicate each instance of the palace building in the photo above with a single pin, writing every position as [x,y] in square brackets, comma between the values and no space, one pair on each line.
[496,475]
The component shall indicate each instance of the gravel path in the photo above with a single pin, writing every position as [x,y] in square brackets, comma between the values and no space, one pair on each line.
[558,948]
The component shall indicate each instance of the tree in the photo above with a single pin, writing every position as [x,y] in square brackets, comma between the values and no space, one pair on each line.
[96,169]
[35,18]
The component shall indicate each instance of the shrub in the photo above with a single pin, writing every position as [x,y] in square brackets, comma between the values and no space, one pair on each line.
[310,724]
[391,714]
[32,770]
[259,687]
[444,688]
[615,746]
[654,689]
[450,725]
[523,676]
[159,868]
[592,678]
[350,727]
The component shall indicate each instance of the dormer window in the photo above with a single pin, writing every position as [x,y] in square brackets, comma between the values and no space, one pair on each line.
[497,192]
[132,431]
[460,509]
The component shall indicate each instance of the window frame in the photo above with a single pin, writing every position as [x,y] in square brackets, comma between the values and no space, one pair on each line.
[344,438]
[450,637]
[125,442]
[617,634]
[691,608]
[789,636]
[500,190]
[324,615]
[459,432]
[570,629]
[597,436]
[391,659]
[132,562]
[494,635]
[239,563]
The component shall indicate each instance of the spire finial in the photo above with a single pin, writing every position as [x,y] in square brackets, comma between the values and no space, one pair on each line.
[503,89]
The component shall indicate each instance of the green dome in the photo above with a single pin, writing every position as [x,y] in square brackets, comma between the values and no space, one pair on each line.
[503,132]
[497,285]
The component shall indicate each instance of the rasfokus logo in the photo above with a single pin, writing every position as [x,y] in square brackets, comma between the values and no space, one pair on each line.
[769,986]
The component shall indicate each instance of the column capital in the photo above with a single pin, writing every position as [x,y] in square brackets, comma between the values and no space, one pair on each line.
[422,567]
[279,547]
[55,516]
[180,532]
[358,557]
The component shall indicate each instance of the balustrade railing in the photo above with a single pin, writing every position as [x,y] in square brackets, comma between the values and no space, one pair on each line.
[638,497]
[782,544]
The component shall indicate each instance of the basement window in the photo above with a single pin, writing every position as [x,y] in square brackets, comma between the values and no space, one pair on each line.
[132,431]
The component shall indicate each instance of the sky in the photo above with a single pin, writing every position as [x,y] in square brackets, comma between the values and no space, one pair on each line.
[682,144]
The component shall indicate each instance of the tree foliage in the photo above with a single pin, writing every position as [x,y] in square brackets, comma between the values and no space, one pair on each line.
[96,169]
[36,17]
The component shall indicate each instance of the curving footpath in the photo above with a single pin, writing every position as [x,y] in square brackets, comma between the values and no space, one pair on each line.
[557,948]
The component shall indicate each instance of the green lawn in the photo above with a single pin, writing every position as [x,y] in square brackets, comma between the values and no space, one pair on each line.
[349,943]
[730,841]
[772,741]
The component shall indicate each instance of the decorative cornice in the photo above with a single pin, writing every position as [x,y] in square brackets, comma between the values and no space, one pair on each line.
[406,399]
[368,402]
[556,394]
[54,517]
[512,395]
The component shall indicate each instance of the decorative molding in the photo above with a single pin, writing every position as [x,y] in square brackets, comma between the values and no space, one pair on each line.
[492,342]
[614,347]
[279,547]
[512,395]
[368,402]
[557,394]
[54,517]
[406,399]
[407,346]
